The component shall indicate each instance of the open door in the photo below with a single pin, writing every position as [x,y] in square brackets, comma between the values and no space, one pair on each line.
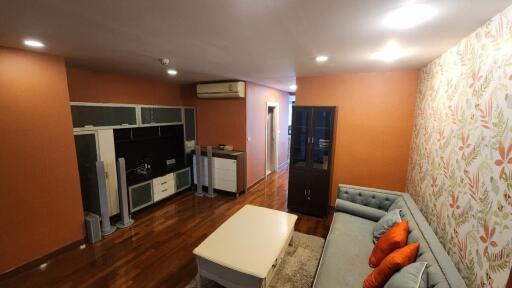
[271,135]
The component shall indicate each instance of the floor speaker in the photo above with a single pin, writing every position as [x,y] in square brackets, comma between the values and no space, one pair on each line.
[106,228]
[92,227]
[211,170]
[126,219]
[199,176]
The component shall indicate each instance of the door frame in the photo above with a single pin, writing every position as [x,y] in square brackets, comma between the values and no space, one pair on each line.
[275,132]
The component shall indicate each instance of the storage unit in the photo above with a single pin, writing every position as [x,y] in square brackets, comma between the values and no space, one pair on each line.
[189,118]
[151,115]
[310,159]
[141,195]
[228,167]
[108,156]
[164,186]
[95,125]
[92,146]
[87,154]
[88,115]
[183,179]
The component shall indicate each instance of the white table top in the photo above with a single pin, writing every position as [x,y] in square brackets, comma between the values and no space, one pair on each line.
[249,241]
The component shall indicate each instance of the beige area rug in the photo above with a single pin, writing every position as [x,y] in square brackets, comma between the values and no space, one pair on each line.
[298,268]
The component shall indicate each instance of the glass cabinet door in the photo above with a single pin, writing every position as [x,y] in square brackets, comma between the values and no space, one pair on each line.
[87,155]
[322,126]
[300,128]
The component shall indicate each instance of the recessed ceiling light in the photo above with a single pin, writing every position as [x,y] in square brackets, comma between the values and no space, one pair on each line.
[391,52]
[409,16]
[33,43]
[172,72]
[293,87]
[321,58]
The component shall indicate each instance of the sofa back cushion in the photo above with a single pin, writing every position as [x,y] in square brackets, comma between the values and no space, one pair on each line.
[371,198]
[441,270]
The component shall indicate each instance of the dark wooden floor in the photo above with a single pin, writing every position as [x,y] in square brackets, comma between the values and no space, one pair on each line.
[157,250]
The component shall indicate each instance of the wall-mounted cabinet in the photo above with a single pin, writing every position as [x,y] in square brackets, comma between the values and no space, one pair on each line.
[151,115]
[89,115]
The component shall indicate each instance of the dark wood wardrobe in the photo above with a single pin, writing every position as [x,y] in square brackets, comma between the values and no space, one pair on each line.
[310,159]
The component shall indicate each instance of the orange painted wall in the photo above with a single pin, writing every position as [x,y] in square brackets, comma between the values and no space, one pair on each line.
[219,121]
[105,87]
[40,203]
[374,124]
[257,98]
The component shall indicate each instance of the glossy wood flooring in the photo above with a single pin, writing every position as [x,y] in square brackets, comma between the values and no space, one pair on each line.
[157,250]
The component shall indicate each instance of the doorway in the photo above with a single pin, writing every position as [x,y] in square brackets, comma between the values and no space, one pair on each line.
[271,135]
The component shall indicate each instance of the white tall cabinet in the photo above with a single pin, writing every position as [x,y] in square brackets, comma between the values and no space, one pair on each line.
[107,154]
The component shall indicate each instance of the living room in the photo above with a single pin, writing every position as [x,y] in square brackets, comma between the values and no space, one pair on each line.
[256,144]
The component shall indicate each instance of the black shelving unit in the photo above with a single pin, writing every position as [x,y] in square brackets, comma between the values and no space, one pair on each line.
[310,159]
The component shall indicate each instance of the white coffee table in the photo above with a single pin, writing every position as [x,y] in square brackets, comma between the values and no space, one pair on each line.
[246,249]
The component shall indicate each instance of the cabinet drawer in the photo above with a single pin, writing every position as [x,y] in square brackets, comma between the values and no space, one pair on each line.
[224,164]
[161,181]
[229,175]
[225,185]
[163,186]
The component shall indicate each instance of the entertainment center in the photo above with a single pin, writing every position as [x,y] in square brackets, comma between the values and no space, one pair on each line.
[153,140]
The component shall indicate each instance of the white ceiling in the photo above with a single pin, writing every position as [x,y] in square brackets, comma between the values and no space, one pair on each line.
[265,41]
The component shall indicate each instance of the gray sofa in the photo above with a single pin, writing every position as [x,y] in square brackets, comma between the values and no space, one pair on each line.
[348,246]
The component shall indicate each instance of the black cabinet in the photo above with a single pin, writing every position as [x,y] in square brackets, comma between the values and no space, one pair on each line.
[98,115]
[160,115]
[183,179]
[190,124]
[310,159]
[87,155]
[141,195]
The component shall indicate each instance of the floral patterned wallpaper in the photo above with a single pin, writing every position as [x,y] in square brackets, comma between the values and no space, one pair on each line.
[460,170]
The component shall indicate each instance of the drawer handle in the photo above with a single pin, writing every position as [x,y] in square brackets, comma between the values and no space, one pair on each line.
[163,183]
[163,190]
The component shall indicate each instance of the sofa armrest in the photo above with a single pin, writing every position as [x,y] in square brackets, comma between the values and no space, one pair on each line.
[375,198]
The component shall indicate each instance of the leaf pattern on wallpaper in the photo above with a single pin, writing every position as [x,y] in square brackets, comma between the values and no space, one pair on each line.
[460,169]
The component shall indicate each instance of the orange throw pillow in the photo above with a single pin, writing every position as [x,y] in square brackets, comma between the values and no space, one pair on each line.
[392,263]
[394,238]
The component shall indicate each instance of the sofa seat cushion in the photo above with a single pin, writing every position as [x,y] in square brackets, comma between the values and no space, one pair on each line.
[347,248]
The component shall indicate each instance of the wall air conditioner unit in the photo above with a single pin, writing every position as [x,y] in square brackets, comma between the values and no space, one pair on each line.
[221,90]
